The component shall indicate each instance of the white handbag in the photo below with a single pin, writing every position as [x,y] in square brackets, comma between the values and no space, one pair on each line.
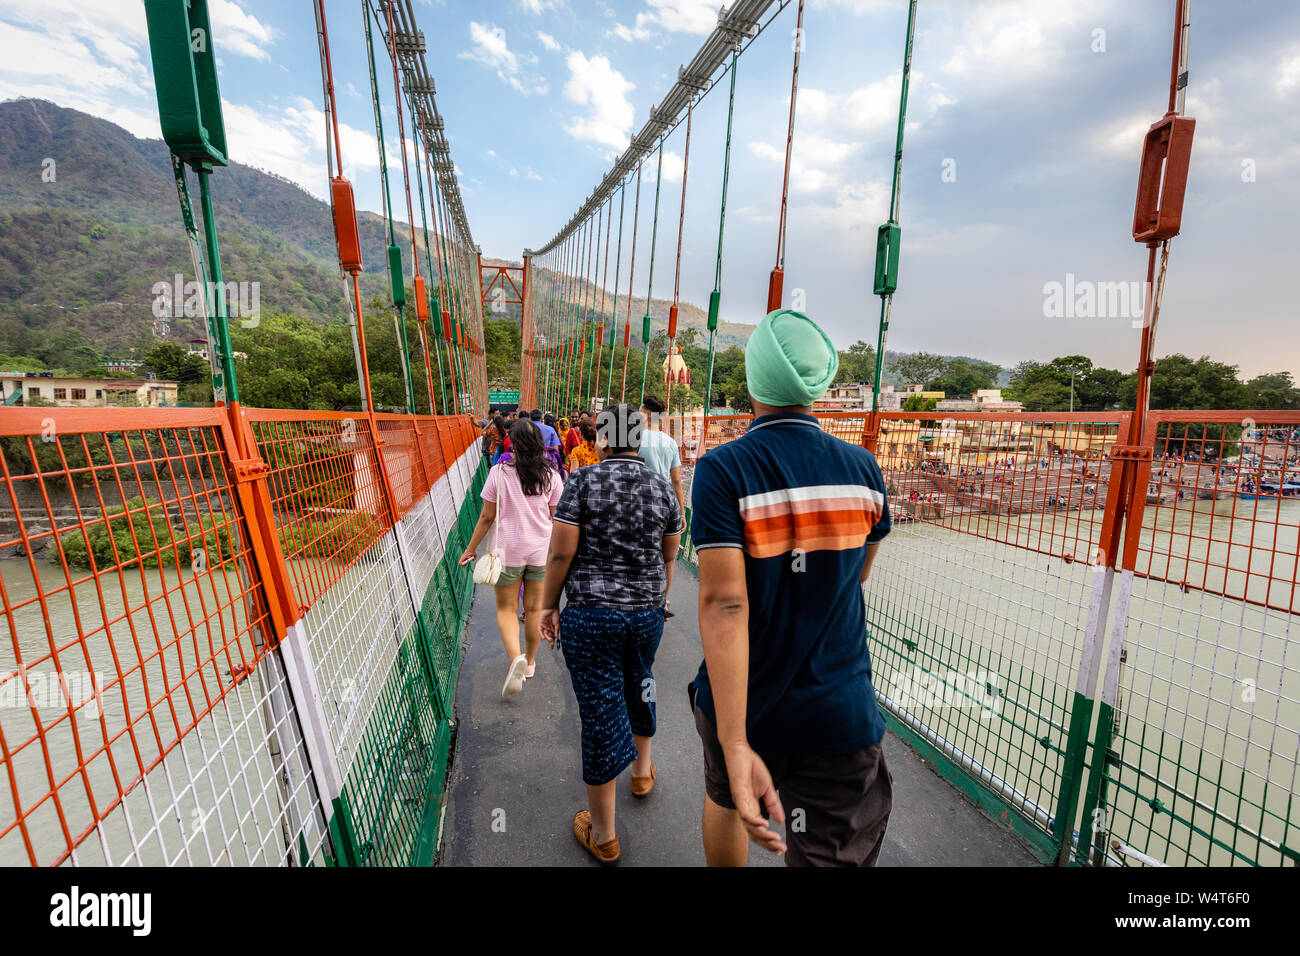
[487,570]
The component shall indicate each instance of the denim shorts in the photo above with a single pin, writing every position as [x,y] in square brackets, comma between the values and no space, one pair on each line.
[610,653]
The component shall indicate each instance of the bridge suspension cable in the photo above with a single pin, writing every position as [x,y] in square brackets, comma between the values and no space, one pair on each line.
[738,26]
[776,279]
[677,276]
[631,272]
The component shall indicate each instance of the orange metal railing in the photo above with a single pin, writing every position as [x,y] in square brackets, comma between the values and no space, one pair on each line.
[157,567]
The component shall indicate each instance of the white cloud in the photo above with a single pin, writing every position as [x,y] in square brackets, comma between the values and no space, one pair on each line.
[835,129]
[1003,42]
[239,32]
[491,50]
[532,174]
[548,41]
[671,16]
[755,214]
[674,167]
[59,56]
[536,7]
[95,56]
[855,207]
[1123,138]
[1288,74]
[805,176]
[290,142]
[595,84]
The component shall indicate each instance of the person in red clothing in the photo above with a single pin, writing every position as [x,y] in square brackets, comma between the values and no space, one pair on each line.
[573,437]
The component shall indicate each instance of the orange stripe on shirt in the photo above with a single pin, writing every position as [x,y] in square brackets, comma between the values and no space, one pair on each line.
[820,530]
[804,507]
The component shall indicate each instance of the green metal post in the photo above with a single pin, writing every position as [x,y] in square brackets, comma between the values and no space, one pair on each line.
[886,297]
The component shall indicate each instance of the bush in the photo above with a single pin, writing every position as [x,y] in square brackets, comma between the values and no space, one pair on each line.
[113,541]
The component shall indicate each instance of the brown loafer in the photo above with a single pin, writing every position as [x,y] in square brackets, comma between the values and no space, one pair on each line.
[641,786]
[606,854]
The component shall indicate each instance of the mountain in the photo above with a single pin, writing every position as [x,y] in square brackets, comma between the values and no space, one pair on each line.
[81,253]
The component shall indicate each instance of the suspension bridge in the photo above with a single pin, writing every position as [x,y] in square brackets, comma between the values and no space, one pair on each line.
[240,635]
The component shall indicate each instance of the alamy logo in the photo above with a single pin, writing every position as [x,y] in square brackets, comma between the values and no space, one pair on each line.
[621,433]
[80,690]
[181,299]
[74,909]
[1085,299]
[948,689]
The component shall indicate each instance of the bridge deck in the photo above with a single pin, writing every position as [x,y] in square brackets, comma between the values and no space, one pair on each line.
[517,764]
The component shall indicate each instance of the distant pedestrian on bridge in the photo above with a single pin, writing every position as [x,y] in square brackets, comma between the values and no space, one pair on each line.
[550,439]
[584,453]
[786,521]
[617,530]
[659,449]
[523,491]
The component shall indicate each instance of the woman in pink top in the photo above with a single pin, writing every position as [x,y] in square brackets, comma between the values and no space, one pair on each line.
[524,492]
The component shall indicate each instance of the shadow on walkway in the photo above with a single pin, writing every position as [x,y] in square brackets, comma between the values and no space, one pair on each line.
[516,777]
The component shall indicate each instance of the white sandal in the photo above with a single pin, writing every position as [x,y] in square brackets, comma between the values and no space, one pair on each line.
[514,678]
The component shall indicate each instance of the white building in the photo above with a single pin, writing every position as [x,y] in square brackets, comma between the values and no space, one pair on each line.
[19,388]
[982,400]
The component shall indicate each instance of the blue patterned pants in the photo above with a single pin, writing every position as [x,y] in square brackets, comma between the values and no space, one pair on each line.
[610,653]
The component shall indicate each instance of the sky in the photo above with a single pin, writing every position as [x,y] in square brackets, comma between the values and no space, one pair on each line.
[1024,130]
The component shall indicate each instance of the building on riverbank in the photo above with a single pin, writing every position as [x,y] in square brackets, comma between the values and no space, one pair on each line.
[30,388]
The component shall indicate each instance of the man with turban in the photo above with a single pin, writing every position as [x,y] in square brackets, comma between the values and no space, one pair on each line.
[787,520]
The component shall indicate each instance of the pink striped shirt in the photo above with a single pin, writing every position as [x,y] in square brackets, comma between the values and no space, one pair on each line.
[523,523]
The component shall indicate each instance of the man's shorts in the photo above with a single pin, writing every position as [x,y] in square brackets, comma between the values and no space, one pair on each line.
[526,572]
[836,805]
[610,654]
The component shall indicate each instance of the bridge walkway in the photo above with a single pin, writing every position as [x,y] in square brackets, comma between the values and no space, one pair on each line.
[516,765]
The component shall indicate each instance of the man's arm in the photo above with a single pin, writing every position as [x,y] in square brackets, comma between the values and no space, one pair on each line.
[671,543]
[676,474]
[724,632]
[872,548]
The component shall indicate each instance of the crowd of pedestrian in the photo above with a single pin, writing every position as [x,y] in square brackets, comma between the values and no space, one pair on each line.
[587,513]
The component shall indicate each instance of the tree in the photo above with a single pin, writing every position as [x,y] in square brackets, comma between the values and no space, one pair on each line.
[964,376]
[857,364]
[1100,390]
[502,345]
[1045,386]
[172,362]
[735,390]
[1273,390]
[1180,382]
[1023,372]
[71,351]
[294,362]
[919,368]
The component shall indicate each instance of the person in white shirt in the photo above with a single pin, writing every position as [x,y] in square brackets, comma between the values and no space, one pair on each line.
[659,451]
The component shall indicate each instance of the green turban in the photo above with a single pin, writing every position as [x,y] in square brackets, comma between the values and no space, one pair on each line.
[789,360]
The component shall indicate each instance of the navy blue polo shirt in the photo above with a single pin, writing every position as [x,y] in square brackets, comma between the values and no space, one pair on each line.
[803,506]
